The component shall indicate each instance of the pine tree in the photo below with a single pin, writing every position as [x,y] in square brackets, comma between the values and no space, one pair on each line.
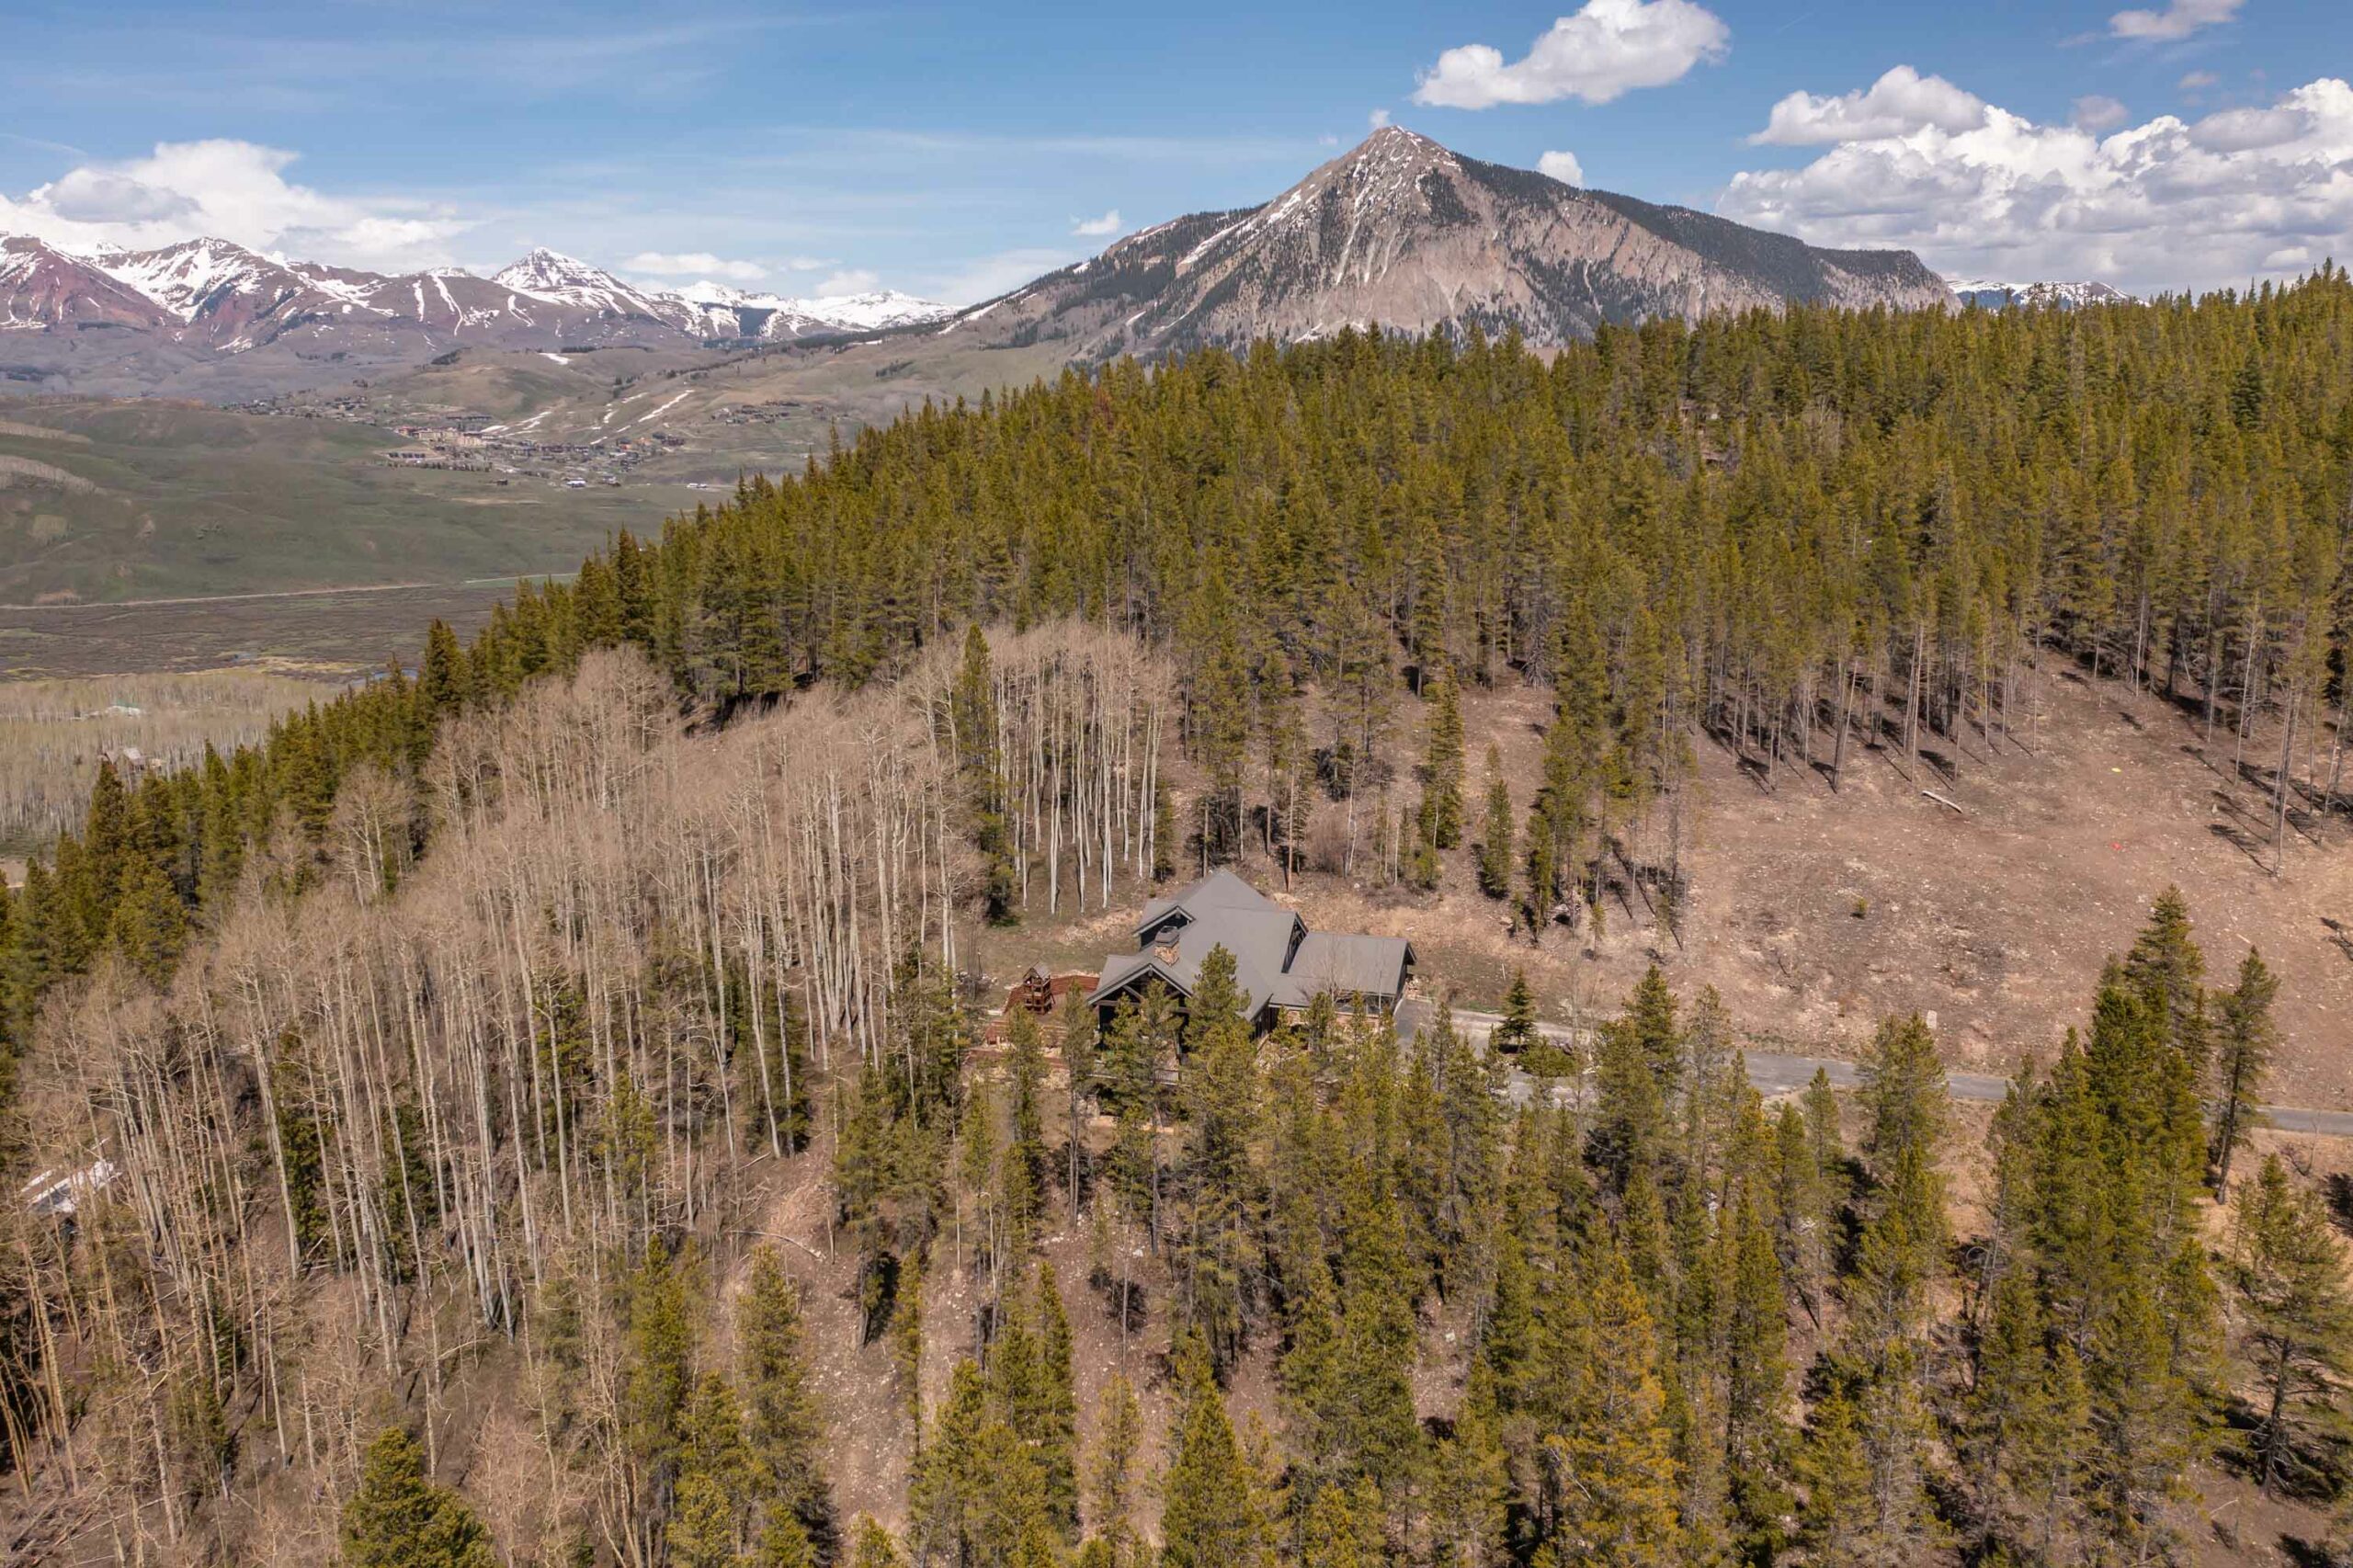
[2246,1037]
[1218,695]
[1836,1523]
[399,1520]
[1111,1483]
[659,1352]
[784,1544]
[149,924]
[1218,1258]
[1802,1210]
[1443,768]
[2287,1272]
[711,1506]
[1903,1095]
[1025,1156]
[872,1545]
[944,1489]
[443,685]
[1469,1508]
[1610,1477]
[786,1427]
[1342,1530]
[972,725]
[1039,1401]
[1210,1515]
[2026,1426]
[1542,894]
[1497,855]
[1757,1369]
[1517,1031]
[1636,1068]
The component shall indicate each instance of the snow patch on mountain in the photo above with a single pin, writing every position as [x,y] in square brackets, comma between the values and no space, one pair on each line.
[183,277]
[1994,294]
[566,281]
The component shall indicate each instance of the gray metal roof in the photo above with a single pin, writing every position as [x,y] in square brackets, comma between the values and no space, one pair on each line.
[1219,890]
[1276,959]
[1345,964]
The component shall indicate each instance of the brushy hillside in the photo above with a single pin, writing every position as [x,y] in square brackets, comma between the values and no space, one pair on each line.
[450,1054]
[623,1180]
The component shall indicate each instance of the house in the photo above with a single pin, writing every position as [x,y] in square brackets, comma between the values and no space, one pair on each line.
[1280,965]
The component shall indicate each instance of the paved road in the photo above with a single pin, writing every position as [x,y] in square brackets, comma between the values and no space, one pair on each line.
[1775,1073]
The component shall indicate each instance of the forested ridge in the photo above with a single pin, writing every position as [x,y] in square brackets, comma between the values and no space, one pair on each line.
[443,1047]
[1781,530]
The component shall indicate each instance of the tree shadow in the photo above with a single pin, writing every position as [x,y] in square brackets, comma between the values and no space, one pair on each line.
[2242,841]
[2337,1191]
[2306,1553]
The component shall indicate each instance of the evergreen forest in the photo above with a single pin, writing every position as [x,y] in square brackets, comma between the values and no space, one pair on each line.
[537,1108]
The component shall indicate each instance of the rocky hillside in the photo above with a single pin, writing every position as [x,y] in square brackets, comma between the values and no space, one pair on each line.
[1402,233]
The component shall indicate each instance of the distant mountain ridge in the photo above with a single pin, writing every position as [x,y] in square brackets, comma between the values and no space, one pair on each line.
[1995,296]
[216,295]
[1402,233]
[1398,232]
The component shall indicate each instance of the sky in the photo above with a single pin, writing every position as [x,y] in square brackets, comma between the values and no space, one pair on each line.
[955,151]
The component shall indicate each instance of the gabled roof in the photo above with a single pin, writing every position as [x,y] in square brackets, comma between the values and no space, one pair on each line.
[1259,940]
[1276,959]
[1344,965]
[1219,890]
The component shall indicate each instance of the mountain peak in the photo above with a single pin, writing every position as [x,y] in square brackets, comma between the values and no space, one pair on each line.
[540,271]
[1394,147]
[1402,233]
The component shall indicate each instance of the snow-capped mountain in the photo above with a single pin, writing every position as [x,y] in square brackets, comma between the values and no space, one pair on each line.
[1402,233]
[1994,295]
[210,296]
[736,312]
[553,275]
[41,287]
[869,312]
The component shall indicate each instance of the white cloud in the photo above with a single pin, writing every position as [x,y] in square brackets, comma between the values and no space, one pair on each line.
[2167,204]
[234,190]
[2197,81]
[694,263]
[1377,119]
[849,281]
[810,263]
[2177,20]
[1561,166]
[1605,51]
[1096,228]
[2098,111]
[1899,102]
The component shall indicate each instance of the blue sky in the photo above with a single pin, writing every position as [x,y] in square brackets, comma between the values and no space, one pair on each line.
[955,151]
